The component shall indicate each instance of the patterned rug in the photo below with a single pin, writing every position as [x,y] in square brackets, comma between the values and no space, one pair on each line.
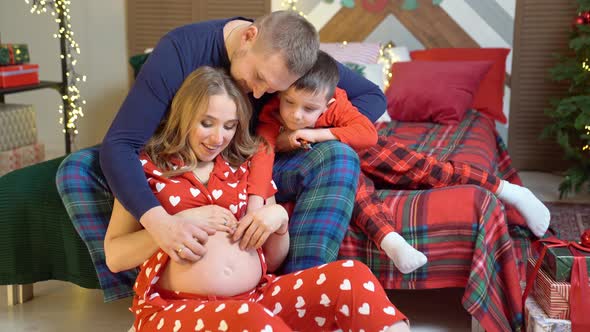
[569,220]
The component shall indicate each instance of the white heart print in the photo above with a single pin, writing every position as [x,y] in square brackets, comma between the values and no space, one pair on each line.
[345,311]
[365,309]
[321,321]
[233,208]
[325,300]
[233,185]
[300,313]
[158,173]
[298,284]
[321,279]
[177,326]
[174,200]
[195,192]
[345,285]
[143,162]
[277,309]
[369,286]
[348,263]
[161,323]
[300,302]
[276,290]
[222,326]
[267,328]
[216,193]
[243,309]
[389,311]
[200,325]
[220,307]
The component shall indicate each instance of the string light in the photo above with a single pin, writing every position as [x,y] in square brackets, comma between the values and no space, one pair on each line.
[72,96]
[586,147]
[292,5]
[387,57]
[586,65]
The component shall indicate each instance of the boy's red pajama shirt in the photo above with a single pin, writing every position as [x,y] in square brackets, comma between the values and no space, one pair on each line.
[342,294]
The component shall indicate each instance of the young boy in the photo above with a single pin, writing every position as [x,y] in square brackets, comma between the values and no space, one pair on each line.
[313,110]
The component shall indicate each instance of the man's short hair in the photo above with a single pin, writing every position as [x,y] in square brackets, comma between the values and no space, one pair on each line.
[292,35]
[322,77]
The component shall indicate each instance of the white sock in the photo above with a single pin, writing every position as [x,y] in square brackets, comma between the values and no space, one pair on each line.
[405,257]
[535,213]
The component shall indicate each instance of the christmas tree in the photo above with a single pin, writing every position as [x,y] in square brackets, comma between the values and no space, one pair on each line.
[571,114]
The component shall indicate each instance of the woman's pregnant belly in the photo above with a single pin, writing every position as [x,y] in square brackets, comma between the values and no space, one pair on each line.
[225,270]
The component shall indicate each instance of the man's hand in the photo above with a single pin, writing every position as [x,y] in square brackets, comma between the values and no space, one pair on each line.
[181,238]
[254,228]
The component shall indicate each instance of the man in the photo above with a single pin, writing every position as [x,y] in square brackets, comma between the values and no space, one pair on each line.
[263,57]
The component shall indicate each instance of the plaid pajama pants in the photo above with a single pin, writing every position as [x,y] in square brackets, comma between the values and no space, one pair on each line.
[390,165]
[322,182]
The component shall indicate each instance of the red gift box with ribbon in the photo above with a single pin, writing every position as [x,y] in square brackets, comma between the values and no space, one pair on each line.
[19,75]
[579,294]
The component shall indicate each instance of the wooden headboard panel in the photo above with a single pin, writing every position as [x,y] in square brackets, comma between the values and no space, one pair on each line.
[430,24]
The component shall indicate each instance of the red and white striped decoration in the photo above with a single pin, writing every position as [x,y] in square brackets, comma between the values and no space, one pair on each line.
[552,296]
[365,53]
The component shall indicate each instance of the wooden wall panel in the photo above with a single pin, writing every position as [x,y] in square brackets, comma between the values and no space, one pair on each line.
[149,20]
[541,30]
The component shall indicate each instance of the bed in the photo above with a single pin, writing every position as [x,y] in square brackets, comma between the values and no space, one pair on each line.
[471,240]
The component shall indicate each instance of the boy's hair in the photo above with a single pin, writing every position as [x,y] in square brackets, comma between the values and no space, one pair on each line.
[290,34]
[322,77]
[171,142]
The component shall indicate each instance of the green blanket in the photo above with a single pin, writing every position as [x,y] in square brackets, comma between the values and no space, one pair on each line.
[37,239]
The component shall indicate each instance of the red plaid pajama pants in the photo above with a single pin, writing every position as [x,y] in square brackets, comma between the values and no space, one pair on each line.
[390,165]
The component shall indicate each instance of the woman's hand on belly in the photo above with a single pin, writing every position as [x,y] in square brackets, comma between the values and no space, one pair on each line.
[212,216]
[254,228]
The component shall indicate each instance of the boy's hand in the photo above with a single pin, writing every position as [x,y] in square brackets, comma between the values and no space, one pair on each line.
[302,138]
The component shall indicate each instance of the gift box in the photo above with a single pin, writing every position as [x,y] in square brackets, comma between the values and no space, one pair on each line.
[14,54]
[21,157]
[19,75]
[18,126]
[551,295]
[536,320]
[558,263]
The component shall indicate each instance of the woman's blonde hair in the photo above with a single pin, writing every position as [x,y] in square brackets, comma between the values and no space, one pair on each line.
[171,143]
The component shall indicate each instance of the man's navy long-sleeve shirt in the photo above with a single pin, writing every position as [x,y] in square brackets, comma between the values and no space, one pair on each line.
[177,54]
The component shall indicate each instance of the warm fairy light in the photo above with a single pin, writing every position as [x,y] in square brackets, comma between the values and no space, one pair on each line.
[72,96]
[586,147]
[586,65]
[387,57]
[292,5]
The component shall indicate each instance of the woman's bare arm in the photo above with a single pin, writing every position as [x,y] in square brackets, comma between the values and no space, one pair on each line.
[126,244]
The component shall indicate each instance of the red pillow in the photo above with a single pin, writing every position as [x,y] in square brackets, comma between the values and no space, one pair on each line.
[489,97]
[433,91]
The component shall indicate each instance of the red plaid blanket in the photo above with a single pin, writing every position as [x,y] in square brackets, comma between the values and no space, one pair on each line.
[471,240]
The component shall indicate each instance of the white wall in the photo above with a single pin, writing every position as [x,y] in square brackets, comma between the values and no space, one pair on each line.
[99,28]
